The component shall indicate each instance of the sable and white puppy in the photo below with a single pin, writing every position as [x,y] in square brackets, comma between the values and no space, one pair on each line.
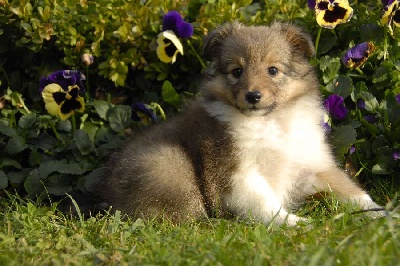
[251,145]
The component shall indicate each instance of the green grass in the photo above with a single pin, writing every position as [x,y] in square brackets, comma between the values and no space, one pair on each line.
[34,234]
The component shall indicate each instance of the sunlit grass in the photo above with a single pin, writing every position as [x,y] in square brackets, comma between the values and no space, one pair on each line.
[35,234]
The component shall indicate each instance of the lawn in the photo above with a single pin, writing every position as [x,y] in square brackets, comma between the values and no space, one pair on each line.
[35,234]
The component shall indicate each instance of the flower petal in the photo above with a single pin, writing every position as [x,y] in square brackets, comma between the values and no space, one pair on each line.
[140,112]
[168,47]
[334,104]
[185,30]
[64,78]
[173,21]
[329,13]
[391,13]
[398,98]
[357,55]
[311,4]
[69,106]
[53,96]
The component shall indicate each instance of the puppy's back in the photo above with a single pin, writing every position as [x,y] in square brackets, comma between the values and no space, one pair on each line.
[177,170]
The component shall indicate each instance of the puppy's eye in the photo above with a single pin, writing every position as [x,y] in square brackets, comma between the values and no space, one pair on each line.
[273,71]
[237,72]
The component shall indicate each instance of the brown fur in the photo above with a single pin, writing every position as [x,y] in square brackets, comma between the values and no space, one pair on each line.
[227,152]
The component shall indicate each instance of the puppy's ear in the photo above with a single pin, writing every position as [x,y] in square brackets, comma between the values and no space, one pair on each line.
[300,41]
[213,41]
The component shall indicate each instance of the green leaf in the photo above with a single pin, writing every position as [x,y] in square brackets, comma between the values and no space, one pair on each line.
[45,142]
[65,126]
[61,166]
[359,87]
[6,130]
[83,142]
[169,94]
[15,145]
[330,68]
[27,121]
[3,180]
[58,184]
[16,178]
[381,74]
[341,85]
[380,169]
[119,117]
[33,184]
[371,103]
[91,129]
[343,137]
[10,162]
[102,108]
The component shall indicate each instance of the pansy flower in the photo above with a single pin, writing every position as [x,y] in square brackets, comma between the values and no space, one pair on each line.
[168,43]
[87,59]
[143,114]
[334,104]
[370,118]
[391,13]
[357,55]
[352,149]
[398,98]
[326,124]
[61,93]
[396,154]
[329,13]
[360,103]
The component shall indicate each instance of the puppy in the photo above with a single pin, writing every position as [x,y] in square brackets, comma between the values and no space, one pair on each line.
[251,145]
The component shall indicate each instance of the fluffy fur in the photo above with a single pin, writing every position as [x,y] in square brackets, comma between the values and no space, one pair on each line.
[251,145]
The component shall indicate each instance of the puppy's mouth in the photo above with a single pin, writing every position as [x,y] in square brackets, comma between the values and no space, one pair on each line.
[257,110]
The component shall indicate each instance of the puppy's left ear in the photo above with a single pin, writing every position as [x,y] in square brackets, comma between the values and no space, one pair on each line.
[213,41]
[300,40]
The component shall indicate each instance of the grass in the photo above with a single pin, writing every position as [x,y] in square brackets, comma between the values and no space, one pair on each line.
[34,234]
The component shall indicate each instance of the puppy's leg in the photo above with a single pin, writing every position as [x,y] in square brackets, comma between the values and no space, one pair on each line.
[252,196]
[336,180]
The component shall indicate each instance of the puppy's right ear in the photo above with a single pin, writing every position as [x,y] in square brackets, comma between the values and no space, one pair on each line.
[213,41]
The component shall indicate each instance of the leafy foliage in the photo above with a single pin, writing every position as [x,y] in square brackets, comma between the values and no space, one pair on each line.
[42,155]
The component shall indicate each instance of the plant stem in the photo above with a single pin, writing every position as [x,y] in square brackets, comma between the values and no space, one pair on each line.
[203,65]
[317,40]
[5,75]
[162,114]
[53,128]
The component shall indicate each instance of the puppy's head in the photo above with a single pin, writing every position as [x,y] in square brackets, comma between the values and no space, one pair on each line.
[258,69]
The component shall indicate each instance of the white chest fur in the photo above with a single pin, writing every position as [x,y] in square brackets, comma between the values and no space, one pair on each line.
[279,154]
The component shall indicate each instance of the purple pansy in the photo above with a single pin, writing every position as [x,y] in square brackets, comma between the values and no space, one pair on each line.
[64,78]
[141,113]
[352,149]
[334,104]
[326,124]
[357,55]
[174,21]
[398,98]
[396,155]
[370,119]
[311,4]
[168,43]
[61,93]
[361,103]
[327,128]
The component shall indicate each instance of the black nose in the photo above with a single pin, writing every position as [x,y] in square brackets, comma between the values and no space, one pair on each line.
[253,97]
